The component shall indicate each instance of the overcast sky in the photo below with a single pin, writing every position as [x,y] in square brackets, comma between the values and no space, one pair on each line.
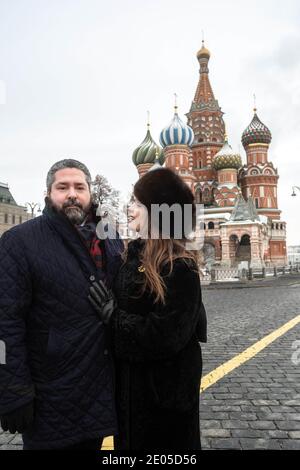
[78,76]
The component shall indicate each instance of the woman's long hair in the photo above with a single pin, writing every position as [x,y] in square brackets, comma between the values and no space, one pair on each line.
[157,254]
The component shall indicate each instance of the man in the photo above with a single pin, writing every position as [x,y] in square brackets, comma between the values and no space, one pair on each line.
[57,386]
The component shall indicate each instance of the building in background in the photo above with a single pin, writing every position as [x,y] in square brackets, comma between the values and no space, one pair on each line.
[243,225]
[11,213]
[294,255]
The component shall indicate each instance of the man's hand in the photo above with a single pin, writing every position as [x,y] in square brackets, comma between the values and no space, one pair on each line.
[18,420]
[102,300]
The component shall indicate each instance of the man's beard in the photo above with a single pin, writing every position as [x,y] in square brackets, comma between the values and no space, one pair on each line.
[75,214]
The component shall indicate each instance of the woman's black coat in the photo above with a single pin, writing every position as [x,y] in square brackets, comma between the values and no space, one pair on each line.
[158,358]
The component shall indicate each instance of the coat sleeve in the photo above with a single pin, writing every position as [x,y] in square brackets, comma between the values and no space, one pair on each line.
[16,388]
[166,329]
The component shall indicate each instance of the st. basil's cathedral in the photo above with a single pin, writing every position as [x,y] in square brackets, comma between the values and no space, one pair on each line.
[241,217]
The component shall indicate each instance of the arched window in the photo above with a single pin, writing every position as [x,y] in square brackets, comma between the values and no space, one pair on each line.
[211,225]
[198,196]
[206,193]
[245,240]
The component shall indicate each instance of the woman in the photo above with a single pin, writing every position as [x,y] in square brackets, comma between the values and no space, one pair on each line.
[157,321]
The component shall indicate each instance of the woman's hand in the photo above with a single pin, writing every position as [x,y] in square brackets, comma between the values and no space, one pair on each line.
[103,301]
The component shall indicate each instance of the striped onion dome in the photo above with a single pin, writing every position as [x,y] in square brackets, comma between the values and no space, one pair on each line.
[226,158]
[256,132]
[176,133]
[146,151]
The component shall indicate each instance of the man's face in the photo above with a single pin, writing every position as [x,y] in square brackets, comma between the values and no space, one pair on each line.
[70,194]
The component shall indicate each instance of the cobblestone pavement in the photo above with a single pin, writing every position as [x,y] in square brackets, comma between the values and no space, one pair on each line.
[257,405]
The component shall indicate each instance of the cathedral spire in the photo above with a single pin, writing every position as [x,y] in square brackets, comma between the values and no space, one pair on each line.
[254,101]
[204,93]
[175,104]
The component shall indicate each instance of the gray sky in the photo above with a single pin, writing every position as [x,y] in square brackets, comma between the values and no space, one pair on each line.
[77,77]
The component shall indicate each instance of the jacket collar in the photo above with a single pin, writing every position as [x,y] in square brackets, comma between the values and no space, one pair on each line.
[135,247]
[70,235]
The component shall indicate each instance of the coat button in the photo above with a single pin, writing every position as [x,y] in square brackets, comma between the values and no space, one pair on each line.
[92,278]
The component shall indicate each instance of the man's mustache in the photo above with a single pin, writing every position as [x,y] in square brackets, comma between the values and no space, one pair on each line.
[72,203]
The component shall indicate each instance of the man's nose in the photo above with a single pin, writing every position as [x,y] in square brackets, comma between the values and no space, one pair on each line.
[72,193]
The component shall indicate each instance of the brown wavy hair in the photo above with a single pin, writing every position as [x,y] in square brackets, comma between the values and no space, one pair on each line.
[158,255]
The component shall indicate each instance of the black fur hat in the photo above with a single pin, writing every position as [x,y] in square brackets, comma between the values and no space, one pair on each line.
[164,186]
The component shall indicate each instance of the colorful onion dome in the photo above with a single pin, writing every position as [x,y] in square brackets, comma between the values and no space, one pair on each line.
[256,132]
[203,52]
[157,164]
[147,150]
[176,133]
[226,158]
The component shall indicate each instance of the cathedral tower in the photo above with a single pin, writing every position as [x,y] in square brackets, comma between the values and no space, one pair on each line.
[259,177]
[176,140]
[206,119]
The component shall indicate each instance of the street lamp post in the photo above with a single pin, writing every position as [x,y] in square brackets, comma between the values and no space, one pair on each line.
[32,206]
[295,187]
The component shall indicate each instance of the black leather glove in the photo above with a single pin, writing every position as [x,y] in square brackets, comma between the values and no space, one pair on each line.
[103,301]
[18,420]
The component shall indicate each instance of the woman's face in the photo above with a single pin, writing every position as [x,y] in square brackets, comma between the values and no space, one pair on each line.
[137,217]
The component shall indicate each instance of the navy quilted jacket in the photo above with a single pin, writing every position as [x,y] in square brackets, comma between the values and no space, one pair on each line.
[57,349]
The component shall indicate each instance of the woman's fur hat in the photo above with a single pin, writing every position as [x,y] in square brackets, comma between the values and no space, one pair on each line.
[164,186]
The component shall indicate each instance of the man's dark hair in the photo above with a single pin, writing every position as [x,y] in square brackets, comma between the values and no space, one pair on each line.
[66,163]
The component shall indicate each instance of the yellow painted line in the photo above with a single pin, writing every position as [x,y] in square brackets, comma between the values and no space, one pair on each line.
[224,369]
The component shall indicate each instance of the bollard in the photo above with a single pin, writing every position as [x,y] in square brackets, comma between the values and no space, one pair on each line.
[263,272]
[243,275]
[275,271]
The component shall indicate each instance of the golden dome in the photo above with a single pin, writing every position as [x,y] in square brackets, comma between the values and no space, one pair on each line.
[203,52]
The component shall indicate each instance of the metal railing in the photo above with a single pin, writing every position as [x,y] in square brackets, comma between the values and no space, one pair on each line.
[235,274]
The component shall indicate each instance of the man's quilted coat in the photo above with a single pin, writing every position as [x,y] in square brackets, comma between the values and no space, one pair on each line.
[57,349]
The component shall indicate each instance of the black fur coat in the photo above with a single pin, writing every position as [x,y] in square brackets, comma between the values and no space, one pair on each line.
[158,359]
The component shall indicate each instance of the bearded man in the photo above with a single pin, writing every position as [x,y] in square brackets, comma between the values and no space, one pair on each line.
[57,383]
